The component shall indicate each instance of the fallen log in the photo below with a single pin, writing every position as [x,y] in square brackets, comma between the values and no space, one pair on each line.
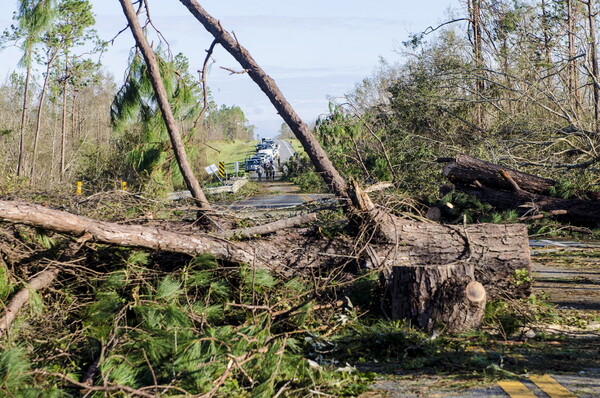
[576,211]
[40,281]
[495,251]
[269,228]
[465,170]
[125,235]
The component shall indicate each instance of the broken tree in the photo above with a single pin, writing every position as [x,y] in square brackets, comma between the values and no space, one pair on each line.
[505,189]
[467,255]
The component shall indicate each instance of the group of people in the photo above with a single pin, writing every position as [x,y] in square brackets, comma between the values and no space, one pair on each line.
[268,169]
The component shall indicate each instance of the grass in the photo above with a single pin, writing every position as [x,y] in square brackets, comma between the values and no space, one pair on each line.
[296,145]
[230,151]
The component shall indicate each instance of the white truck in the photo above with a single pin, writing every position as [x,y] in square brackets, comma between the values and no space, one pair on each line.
[270,152]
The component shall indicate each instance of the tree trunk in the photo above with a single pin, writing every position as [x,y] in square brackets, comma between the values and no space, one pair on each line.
[576,211]
[163,102]
[476,28]
[63,128]
[465,169]
[438,296]
[21,158]
[572,63]
[38,124]
[595,69]
[494,251]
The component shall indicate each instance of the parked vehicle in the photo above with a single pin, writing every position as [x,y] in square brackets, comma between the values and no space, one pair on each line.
[268,152]
[252,164]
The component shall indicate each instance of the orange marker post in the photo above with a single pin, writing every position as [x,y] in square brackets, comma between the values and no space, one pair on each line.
[79,188]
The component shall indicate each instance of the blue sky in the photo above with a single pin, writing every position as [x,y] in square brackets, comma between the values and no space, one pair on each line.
[314,49]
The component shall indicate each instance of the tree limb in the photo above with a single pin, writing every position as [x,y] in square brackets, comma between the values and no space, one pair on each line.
[40,281]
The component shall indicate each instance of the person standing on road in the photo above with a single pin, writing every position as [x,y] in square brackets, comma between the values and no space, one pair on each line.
[271,171]
[259,172]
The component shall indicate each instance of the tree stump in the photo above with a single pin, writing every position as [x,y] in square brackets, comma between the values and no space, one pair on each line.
[438,296]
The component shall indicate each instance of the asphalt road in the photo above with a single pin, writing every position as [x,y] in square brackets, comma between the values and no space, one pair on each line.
[285,150]
[278,201]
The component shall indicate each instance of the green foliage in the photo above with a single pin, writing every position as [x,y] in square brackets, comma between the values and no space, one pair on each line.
[228,123]
[509,317]
[5,284]
[309,181]
[135,107]
[565,188]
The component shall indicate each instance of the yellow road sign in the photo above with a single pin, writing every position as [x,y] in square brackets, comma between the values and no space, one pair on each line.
[221,171]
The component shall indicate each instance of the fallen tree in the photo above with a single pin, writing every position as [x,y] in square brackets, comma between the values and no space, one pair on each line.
[485,253]
[507,189]
[465,170]
[494,251]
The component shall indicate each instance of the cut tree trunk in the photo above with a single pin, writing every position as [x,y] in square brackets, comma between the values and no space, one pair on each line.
[465,170]
[444,297]
[496,252]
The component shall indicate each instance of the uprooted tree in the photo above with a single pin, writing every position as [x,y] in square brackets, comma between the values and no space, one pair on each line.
[435,275]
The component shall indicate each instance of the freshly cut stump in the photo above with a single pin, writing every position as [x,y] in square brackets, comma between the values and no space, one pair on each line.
[438,296]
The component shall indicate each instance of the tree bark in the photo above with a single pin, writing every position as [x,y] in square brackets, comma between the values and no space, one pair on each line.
[271,227]
[63,130]
[595,69]
[465,169]
[163,102]
[576,211]
[38,124]
[41,281]
[126,235]
[573,78]
[438,296]
[494,251]
[21,159]
[476,28]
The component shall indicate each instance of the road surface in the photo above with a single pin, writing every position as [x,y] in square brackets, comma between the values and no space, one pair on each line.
[285,150]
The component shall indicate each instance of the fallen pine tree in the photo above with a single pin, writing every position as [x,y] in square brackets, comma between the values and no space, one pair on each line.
[489,253]
[506,189]
[446,271]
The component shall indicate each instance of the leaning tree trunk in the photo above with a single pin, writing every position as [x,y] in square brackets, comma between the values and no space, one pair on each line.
[312,147]
[163,102]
